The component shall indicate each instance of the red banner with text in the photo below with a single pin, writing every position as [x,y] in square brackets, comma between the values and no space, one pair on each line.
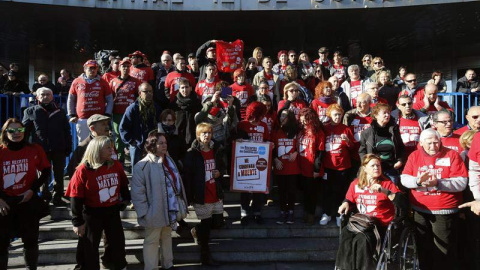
[229,55]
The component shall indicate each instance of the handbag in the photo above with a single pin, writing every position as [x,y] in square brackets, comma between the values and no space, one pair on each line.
[361,223]
[182,206]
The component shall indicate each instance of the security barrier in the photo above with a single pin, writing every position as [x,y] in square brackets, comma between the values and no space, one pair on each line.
[460,103]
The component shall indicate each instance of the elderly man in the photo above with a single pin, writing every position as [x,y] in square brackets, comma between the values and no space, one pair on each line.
[473,118]
[372,90]
[469,83]
[354,85]
[436,176]
[88,95]
[50,129]
[443,123]
[42,81]
[412,88]
[411,122]
[431,103]
[139,119]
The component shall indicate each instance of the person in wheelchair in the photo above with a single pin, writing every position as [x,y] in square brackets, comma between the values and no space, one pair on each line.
[374,196]
[436,177]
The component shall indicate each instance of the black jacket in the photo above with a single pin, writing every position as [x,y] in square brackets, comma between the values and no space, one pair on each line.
[185,111]
[464,86]
[16,86]
[194,172]
[390,93]
[368,140]
[50,128]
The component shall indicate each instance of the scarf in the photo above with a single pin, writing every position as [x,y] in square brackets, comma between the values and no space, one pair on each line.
[326,100]
[147,110]
[15,146]
[184,103]
[168,129]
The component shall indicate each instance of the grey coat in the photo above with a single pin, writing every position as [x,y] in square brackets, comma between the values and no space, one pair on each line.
[151,206]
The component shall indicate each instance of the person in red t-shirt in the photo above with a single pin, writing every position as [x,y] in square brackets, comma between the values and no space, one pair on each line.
[372,90]
[311,145]
[271,116]
[443,123]
[282,64]
[374,195]
[97,189]
[203,170]
[20,207]
[339,142]
[171,82]
[337,69]
[206,88]
[324,97]
[139,69]
[323,59]
[125,91]
[291,75]
[241,90]
[473,118]
[115,72]
[436,176]
[252,128]
[286,168]
[431,103]
[291,99]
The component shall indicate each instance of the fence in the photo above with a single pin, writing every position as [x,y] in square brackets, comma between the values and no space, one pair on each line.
[460,104]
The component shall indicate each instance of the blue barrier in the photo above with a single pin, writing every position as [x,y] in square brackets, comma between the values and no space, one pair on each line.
[460,103]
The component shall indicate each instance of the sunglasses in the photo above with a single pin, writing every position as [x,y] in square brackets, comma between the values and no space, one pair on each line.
[410,81]
[405,104]
[13,130]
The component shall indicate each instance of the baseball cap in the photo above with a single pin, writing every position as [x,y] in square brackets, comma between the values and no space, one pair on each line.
[96,118]
[126,61]
[137,53]
[90,63]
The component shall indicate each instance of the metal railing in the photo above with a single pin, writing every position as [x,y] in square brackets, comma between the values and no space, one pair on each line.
[460,103]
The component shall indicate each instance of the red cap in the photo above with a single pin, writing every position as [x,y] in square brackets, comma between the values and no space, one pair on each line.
[90,63]
[281,52]
[137,53]
[210,49]
[126,61]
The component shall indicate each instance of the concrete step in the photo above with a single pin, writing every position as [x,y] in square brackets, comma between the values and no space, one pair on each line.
[50,230]
[231,211]
[223,250]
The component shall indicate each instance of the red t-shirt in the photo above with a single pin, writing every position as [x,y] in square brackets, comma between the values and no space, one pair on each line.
[242,92]
[100,187]
[270,119]
[284,147]
[19,168]
[461,130]
[378,100]
[337,151]
[308,145]
[205,89]
[109,76]
[339,73]
[295,106]
[325,64]
[91,97]
[355,90]
[431,109]
[124,95]
[210,185]
[144,74]
[358,125]
[321,109]
[270,80]
[452,142]
[374,204]
[410,132]
[416,97]
[256,133]
[446,164]
[171,82]
[474,152]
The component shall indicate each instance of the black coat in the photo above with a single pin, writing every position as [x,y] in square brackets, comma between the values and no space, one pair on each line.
[185,116]
[194,172]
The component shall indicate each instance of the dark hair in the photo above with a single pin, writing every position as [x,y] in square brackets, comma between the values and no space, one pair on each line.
[210,65]
[313,122]
[151,141]
[3,138]
[437,73]
[291,127]
[167,112]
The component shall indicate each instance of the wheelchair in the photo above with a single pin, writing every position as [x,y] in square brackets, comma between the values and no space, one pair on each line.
[398,250]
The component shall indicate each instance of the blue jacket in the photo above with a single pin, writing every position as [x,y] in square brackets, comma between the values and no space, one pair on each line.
[132,129]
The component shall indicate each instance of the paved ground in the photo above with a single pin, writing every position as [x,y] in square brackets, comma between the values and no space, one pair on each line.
[261,266]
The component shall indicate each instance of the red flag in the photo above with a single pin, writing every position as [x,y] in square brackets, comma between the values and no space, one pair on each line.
[229,55]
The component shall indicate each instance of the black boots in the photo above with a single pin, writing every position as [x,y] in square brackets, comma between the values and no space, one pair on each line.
[30,256]
[203,234]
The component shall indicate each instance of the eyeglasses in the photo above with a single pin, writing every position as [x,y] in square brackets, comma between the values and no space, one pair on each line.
[410,81]
[405,104]
[13,130]
[444,122]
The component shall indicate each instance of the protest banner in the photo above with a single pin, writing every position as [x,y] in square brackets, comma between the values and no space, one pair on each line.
[251,166]
[229,55]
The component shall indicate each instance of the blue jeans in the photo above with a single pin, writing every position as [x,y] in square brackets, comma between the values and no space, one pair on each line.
[393,174]
[135,154]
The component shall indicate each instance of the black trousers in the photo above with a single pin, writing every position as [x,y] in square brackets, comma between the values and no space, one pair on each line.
[333,190]
[258,201]
[287,189]
[58,163]
[21,221]
[310,188]
[98,220]
[437,240]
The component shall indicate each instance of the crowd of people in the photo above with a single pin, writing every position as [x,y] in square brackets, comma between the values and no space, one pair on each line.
[345,136]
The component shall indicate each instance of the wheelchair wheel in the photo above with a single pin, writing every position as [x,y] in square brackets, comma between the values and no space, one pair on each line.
[408,250]
[382,261]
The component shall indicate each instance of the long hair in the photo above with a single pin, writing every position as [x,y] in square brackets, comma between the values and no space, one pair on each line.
[313,123]
[92,154]
[362,175]
[322,85]
[4,138]
[291,126]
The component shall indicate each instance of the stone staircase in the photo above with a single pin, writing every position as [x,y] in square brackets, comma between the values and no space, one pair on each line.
[266,243]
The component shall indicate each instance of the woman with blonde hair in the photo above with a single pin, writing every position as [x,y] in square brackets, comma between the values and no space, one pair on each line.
[258,55]
[291,99]
[98,190]
[377,66]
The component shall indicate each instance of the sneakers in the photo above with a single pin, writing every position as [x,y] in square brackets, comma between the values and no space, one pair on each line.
[325,219]
[283,218]
[339,222]
[290,218]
